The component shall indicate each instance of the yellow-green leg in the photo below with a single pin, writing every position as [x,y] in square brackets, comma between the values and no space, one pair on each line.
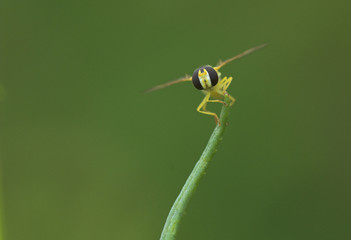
[232,99]
[226,82]
[219,101]
[202,108]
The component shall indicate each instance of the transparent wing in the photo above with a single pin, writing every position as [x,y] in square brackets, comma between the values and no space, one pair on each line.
[221,63]
[184,79]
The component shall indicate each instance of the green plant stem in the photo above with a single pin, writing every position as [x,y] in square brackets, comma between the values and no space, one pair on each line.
[180,204]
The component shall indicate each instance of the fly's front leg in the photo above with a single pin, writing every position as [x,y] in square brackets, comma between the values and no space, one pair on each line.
[226,84]
[202,108]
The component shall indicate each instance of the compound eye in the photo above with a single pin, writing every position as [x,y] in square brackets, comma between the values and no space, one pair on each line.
[195,79]
[213,75]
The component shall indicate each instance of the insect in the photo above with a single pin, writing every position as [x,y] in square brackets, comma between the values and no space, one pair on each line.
[208,80]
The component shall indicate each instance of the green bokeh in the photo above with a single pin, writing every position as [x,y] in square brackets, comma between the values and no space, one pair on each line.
[85,155]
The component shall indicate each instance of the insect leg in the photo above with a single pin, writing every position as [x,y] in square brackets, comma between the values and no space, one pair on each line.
[222,85]
[202,108]
[232,99]
[226,83]
[219,101]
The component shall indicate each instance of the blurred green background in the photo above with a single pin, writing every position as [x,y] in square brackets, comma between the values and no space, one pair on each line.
[85,155]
